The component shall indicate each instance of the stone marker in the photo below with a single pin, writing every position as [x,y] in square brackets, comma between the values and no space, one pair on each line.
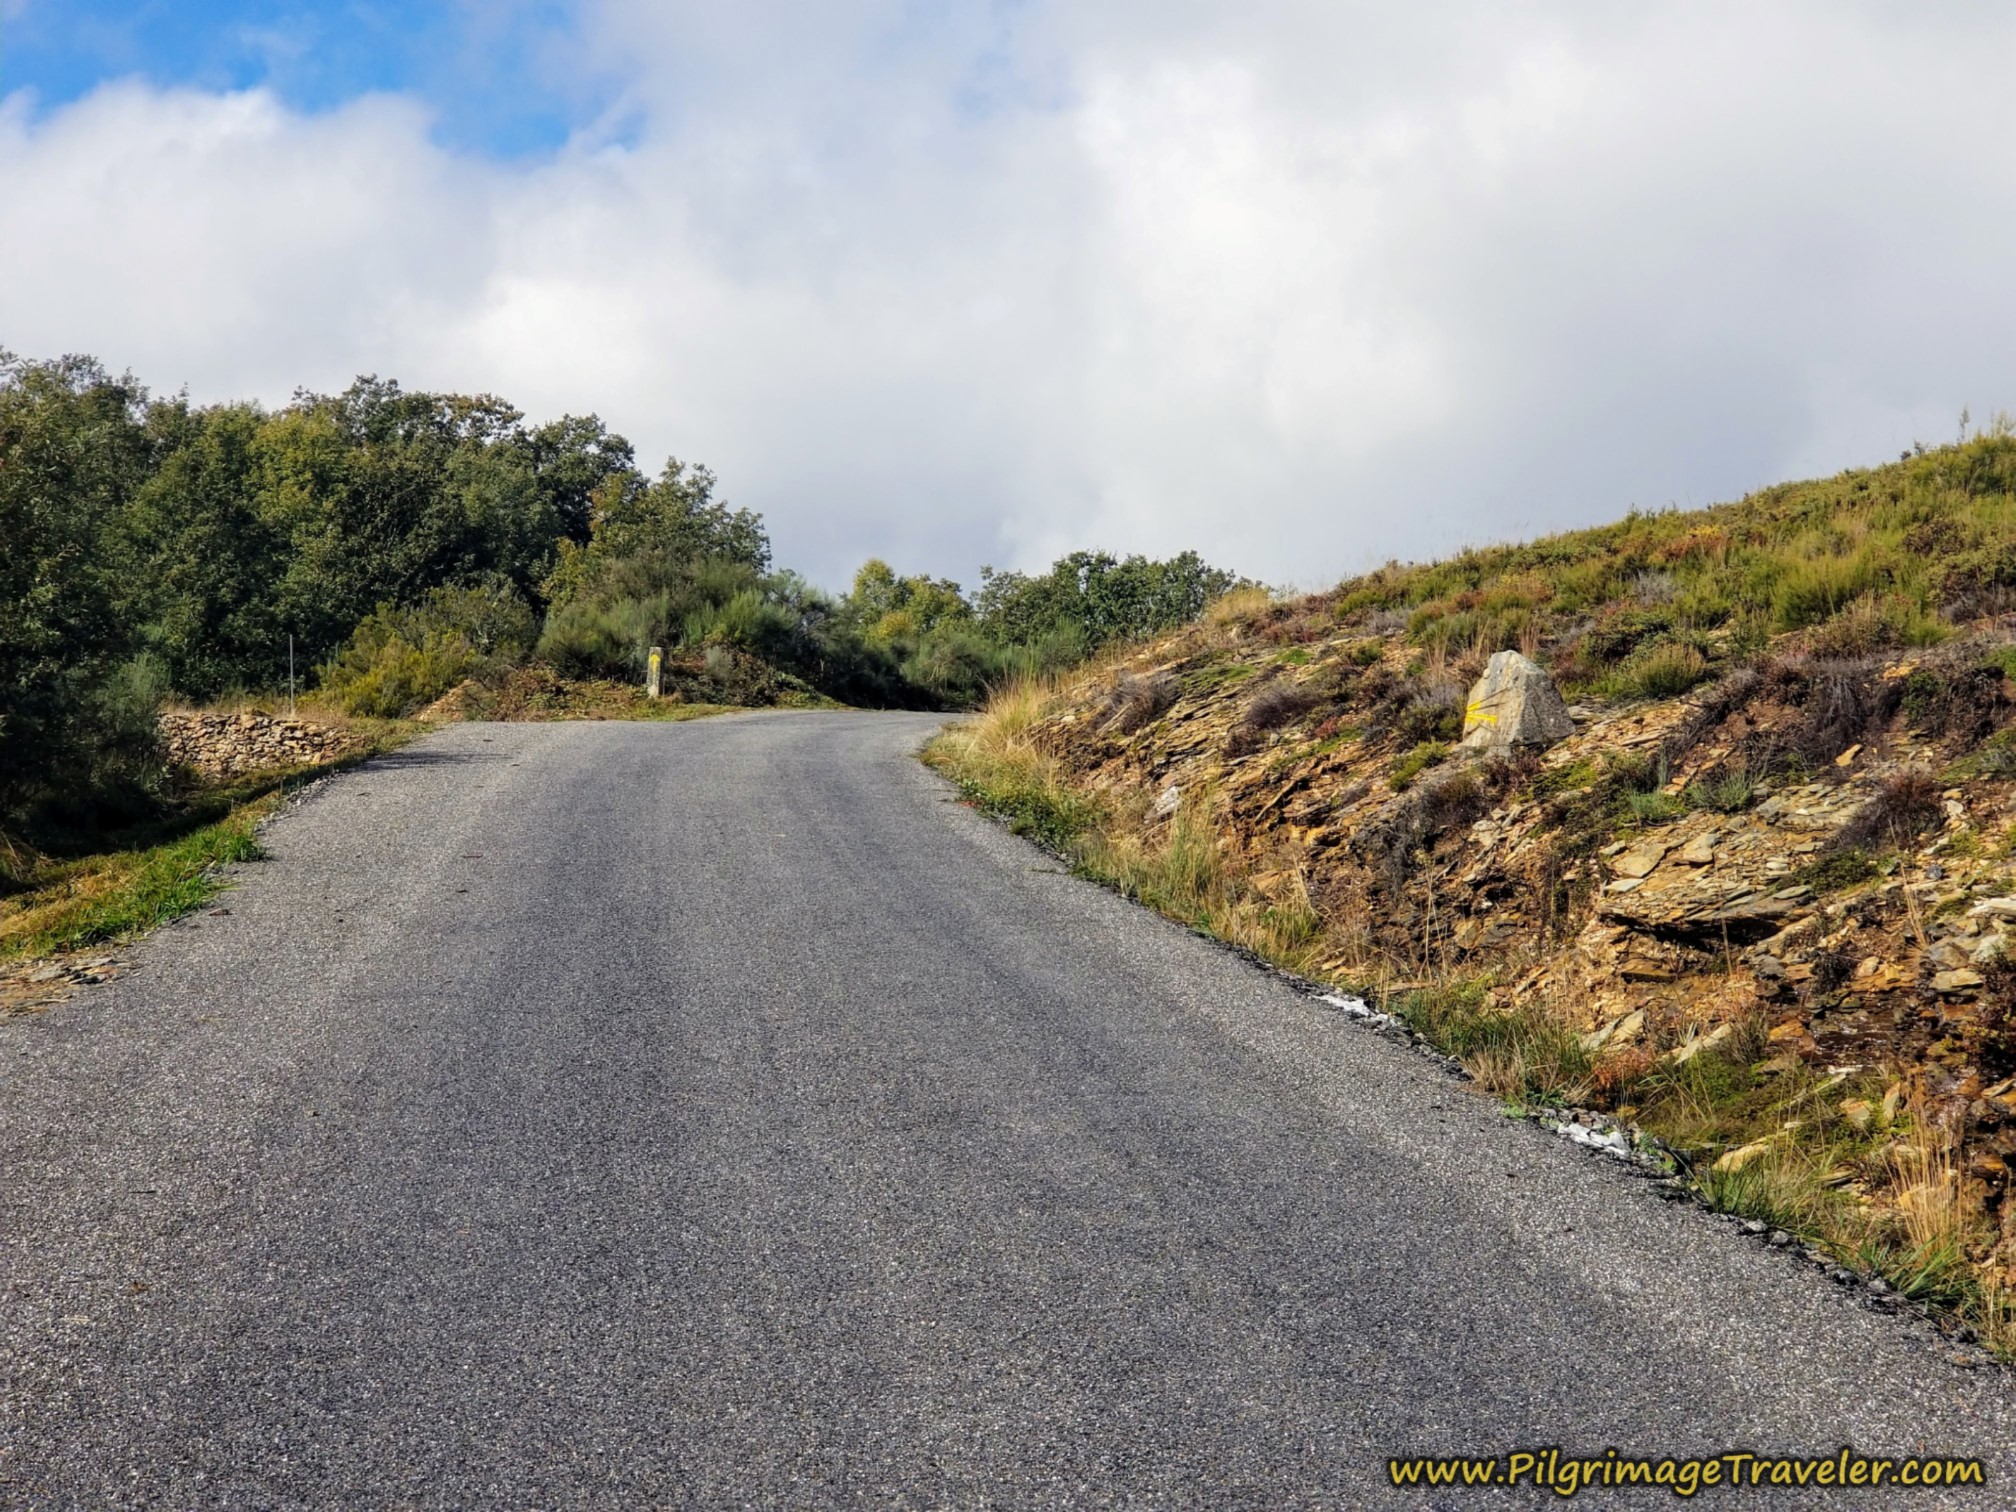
[1514,703]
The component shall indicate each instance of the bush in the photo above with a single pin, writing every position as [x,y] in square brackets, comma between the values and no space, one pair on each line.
[1134,702]
[1665,671]
[1275,705]
[1810,590]
[400,660]
[1903,808]
[608,638]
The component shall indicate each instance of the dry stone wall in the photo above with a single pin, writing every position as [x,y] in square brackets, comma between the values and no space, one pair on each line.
[219,746]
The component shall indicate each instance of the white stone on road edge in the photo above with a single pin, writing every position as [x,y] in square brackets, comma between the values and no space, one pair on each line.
[1610,1140]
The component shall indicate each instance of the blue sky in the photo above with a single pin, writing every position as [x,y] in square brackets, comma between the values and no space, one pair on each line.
[501,78]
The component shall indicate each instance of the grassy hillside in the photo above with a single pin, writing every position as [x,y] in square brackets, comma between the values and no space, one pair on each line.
[1755,907]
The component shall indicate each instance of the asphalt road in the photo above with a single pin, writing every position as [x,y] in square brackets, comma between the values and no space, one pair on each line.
[716,1115]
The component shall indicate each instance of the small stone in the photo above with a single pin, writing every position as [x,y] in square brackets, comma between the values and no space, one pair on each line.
[1639,861]
[1754,1225]
[1879,1287]
[1779,1239]
[1168,801]
[1956,981]
[1700,851]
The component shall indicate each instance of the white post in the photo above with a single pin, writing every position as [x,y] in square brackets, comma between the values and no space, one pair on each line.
[652,670]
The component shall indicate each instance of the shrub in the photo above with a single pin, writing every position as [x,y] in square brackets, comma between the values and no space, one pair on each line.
[1809,590]
[1665,671]
[1905,806]
[1275,705]
[602,638]
[399,660]
[1134,702]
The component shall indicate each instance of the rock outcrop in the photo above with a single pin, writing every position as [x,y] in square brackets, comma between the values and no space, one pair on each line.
[1515,703]
[1819,853]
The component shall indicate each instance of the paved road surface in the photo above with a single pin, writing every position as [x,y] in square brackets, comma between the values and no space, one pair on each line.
[715,1115]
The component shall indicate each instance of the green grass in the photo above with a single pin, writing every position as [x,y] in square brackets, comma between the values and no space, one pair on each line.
[1654,808]
[1874,559]
[1728,794]
[125,893]
[1415,762]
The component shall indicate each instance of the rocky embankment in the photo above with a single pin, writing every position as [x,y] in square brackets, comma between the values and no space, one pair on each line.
[222,746]
[1808,857]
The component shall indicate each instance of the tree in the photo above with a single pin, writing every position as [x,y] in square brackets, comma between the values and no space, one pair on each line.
[890,609]
[73,448]
[210,564]
[572,460]
[1098,598]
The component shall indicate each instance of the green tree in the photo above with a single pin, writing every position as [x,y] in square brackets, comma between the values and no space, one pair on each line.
[210,564]
[890,609]
[76,718]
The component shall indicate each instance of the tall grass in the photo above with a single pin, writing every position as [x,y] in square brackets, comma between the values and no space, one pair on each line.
[1178,868]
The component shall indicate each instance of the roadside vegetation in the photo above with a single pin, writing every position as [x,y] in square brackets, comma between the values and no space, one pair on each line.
[367,557]
[1813,686]
[100,886]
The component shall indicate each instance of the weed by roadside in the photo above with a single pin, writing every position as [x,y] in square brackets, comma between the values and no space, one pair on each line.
[84,891]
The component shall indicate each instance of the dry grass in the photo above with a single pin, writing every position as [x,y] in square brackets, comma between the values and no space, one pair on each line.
[1239,606]
[1177,868]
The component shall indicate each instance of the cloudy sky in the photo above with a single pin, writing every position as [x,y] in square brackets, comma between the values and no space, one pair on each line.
[1303,285]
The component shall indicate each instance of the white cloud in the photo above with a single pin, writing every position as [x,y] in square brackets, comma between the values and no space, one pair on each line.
[1303,290]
